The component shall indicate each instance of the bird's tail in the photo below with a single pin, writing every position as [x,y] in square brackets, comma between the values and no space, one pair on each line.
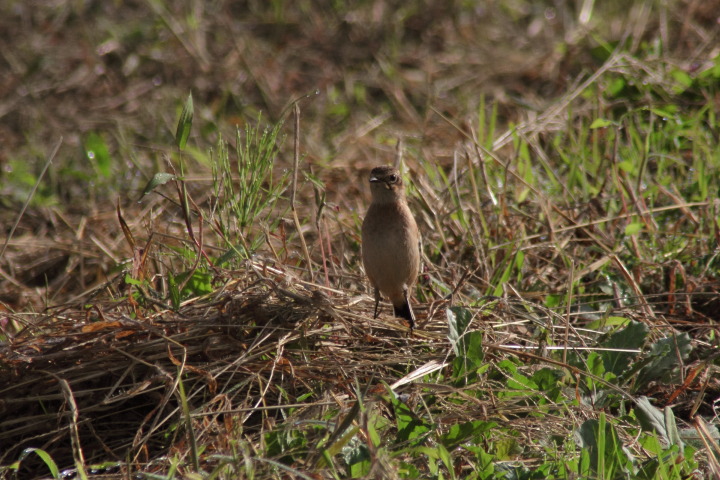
[405,311]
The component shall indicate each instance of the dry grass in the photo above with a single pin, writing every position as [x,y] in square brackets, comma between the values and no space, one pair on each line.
[244,355]
[271,360]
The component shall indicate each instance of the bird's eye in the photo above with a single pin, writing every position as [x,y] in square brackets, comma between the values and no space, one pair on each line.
[393,178]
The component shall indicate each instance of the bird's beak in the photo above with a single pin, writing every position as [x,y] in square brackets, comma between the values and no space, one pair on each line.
[374,179]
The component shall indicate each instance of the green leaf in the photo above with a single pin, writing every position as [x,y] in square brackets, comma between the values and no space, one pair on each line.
[230,254]
[461,432]
[97,152]
[485,462]
[665,357]
[673,434]
[715,70]
[601,123]
[519,262]
[459,319]
[631,337]
[174,291]
[603,51]
[359,460]
[409,425]
[132,281]
[668,111]
[633,228]
[607,458]
[626,166]
[446,459]
[184,124]
[200,283]
[651,418]
[466,344]
[408,471]
[45,457]
[608,322]
[547,378]
[522,383]
[595,364]
[506,448]
[615,87]
[684,81]
[552,300]
[471,343]
[157,180]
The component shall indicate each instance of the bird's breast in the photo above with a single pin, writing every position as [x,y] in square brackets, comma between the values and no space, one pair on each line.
[390,246]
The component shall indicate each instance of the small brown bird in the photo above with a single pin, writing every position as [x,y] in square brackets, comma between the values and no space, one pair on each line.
[390,242]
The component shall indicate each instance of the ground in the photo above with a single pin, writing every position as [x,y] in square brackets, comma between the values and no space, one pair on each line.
[181,190]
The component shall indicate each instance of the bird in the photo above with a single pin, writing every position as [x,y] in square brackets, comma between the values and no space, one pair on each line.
[391,242]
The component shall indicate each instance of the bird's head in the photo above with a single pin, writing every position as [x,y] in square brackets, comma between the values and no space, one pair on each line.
[386,184]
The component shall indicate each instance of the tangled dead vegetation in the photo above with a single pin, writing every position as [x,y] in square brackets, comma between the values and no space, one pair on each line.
[109,379]
[112,383]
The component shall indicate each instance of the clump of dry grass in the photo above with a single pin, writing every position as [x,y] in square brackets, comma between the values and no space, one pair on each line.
[109,375]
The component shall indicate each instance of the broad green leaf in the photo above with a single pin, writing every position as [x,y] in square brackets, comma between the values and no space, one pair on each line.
[471,344]
[359,460]
[521,382]
[631,337]
[653,444]
[664,362]
[184,124]
[373,435]
[547,379]
[553,300]
[673,434]
[230,254]
[668,111]
[341,442]
[485,462]
[408,471]
[603,51]
[409,425]
[595,364]
[651,418]
[507,365]
[506,448]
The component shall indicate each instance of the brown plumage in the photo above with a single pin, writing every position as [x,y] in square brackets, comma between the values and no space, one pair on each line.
[390,242]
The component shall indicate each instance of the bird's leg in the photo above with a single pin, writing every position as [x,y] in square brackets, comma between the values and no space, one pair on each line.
[406,310]
[377,301]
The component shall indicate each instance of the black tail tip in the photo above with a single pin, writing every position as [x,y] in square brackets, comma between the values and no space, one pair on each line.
[404,311]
